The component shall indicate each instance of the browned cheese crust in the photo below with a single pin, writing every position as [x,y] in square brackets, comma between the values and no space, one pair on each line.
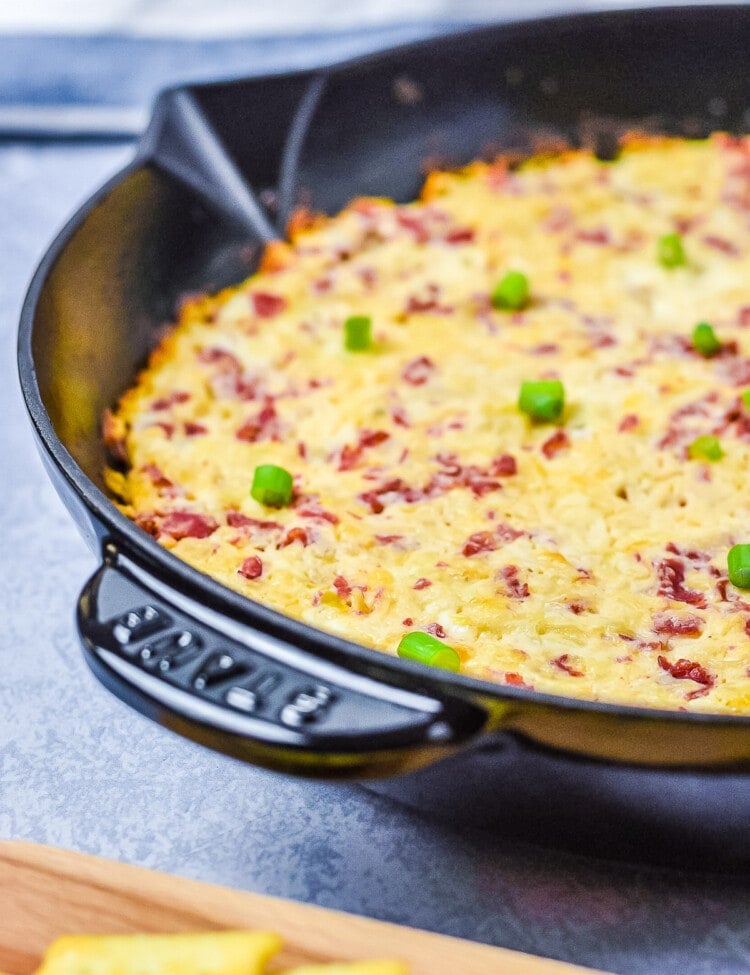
[584,557]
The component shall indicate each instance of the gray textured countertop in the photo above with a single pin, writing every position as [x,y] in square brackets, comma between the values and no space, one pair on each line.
[80,770]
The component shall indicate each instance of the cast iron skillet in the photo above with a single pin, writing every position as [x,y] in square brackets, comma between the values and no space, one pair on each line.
[216,175]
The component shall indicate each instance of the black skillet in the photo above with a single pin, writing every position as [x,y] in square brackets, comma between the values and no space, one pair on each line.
[217,174]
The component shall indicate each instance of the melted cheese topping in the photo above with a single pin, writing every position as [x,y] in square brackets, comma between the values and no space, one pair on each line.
[586,558]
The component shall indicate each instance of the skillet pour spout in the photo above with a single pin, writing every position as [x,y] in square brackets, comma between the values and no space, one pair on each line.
[215,177]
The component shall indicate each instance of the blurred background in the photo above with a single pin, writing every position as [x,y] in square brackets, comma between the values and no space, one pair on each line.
[99,54]
[225,18]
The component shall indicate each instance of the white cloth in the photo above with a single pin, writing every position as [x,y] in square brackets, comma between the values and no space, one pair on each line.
[226,18]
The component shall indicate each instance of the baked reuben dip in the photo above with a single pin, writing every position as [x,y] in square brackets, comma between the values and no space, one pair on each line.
[504,429]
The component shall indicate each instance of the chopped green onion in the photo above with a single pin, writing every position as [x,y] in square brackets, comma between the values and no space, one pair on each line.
[705,340]
[670,251]
[428,650]
[738,563]
[706,447]
[745,397]
[358,333]
[543,401]
[272,486]
[511,292]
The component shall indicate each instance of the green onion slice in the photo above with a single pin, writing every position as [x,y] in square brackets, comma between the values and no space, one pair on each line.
[705,340]
[706,447]
[426,649]
[358,333]
[511,292]
[738,564]
[272,486]
[670,251]
[543,400]
[745,397]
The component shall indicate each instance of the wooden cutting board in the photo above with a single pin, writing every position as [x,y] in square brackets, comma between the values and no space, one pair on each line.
[46,892]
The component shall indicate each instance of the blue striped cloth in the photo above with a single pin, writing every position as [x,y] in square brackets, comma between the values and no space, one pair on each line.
[100,70]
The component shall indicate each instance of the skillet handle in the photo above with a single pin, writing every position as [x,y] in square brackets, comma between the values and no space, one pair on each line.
[249,694]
